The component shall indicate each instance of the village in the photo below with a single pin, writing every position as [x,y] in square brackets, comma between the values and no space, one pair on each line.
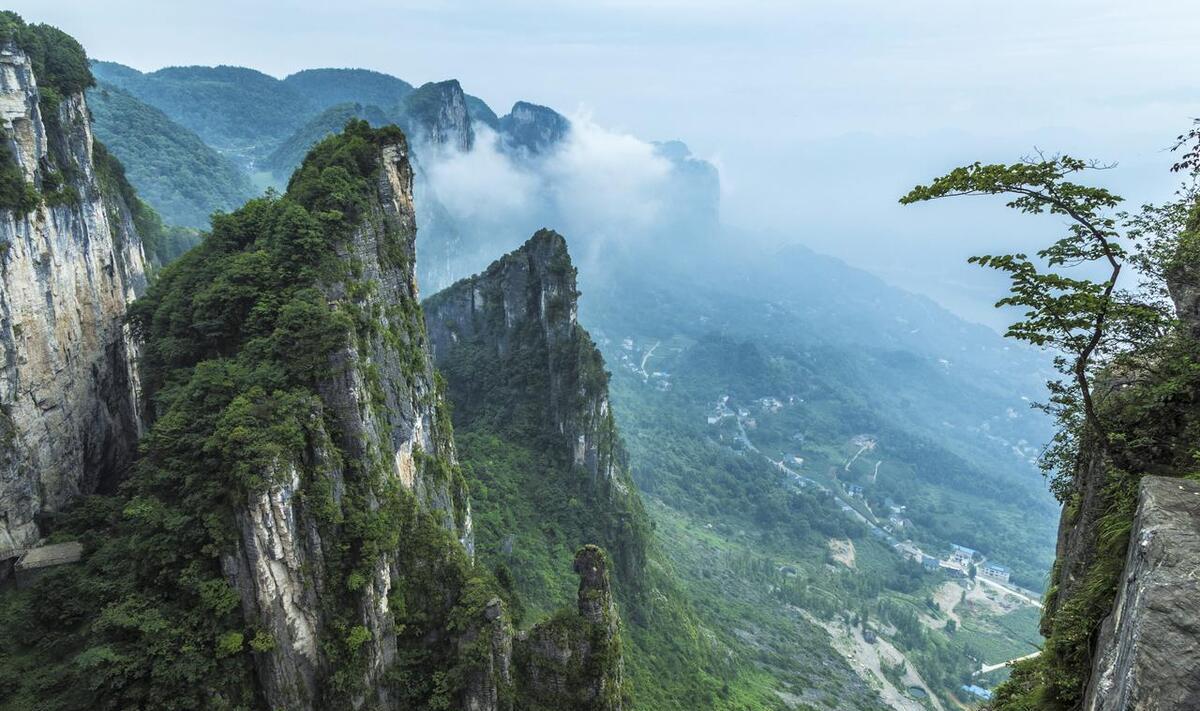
[969,567]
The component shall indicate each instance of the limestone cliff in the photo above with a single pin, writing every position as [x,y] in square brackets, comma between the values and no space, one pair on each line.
[380,411]
[436,114]
[521,368]
[1147,657]
[70,262]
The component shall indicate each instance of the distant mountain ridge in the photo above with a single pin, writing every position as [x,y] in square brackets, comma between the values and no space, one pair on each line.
[175,171]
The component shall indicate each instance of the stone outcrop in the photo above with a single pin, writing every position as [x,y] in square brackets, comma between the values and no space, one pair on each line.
[68,269]
[1147,656]
[574,661]
[436,114]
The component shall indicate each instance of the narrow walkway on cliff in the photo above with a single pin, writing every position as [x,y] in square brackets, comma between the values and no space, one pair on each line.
[985,668]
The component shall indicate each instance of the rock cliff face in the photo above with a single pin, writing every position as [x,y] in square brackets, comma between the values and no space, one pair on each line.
[1147,652]
[70,266]
[530,296]
[436,113]
[381,411]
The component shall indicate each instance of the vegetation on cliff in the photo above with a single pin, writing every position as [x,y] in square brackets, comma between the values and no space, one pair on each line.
[1127,404]
[236,335]
[61,68]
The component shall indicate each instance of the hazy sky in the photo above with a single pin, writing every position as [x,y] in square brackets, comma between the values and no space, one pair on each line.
[819,114]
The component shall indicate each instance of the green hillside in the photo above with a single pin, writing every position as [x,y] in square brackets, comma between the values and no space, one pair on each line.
[171,167]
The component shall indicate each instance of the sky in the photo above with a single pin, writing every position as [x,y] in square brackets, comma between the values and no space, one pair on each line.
[819,114]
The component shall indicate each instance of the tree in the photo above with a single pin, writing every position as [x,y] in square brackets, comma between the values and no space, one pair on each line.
[1075,317]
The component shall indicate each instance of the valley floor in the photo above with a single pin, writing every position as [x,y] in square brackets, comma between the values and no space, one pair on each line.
[814,661]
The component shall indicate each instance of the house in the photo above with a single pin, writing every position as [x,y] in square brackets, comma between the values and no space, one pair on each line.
[977,691]
[996,572]
[869,636]
[929,563]
[770,404]
[897,520]
[854,490]
[962,555]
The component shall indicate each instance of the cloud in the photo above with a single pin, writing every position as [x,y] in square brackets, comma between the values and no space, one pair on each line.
[606,183]
[598,187]
[482,184]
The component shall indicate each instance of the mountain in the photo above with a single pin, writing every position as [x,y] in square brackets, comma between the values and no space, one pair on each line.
[72,261]
[436,113]
[284,160]
[521,370]
[876,389]
[326,88]
[533,128]
[171,167]
[240,112]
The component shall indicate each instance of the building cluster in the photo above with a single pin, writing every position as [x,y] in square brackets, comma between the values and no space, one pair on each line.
[633,360]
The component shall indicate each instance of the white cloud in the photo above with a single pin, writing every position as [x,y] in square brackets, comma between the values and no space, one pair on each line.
[606,183]
[481,184]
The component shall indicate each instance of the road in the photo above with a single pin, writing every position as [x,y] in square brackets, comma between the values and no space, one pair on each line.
[646,357]
[1010,591]
[806,481]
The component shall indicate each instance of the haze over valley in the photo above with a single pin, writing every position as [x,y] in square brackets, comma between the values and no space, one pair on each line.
[606,357]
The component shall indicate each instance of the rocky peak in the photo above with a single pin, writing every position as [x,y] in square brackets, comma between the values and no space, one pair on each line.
[71,262]
[532,285]
[527,301]
[437,113]
[595,595]
[576,662]
[533,128]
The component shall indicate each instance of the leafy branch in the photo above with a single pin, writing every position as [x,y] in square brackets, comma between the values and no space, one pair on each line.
[1066,314]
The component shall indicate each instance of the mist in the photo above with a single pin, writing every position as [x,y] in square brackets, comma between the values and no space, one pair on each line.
[819,117]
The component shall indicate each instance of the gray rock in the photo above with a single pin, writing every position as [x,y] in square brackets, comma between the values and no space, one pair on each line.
[378,404]
[1148,653]
[69,418]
